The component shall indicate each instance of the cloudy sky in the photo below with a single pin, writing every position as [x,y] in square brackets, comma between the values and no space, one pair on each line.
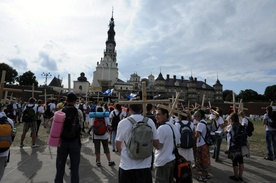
[232,40]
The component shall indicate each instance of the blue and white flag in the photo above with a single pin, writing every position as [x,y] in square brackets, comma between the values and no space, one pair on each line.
[107,92]
[132,95]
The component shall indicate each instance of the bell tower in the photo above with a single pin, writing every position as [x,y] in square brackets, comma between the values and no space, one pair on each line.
[106,73]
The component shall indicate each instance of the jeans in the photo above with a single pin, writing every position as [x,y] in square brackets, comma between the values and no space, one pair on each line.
[217,148]
[114,133]
[71,148]
[270,137]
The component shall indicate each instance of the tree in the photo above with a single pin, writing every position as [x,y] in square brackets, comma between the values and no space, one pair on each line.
[227,95]
[27,79]
[270,92]
[11,73]
[248,95]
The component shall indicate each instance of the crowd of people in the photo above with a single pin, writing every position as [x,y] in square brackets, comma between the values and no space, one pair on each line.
[166,135]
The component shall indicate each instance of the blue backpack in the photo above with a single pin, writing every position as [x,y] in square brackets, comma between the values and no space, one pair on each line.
[187,136]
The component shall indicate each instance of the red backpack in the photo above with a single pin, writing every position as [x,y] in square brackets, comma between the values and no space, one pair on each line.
[99,127]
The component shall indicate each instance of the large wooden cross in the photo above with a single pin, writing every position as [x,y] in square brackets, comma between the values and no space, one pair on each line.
[235,105]
[2,84]
[173,109]
[144,100]
[33,91]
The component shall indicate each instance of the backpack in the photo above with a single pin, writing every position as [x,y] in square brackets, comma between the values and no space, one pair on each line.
[99,127]
[249,128]
[240,136]
[81,107]
[29,115]
[209,139]
[115,120]
[272,124]
[5,134]
[182,171]
[48,113]
[187,136]
[140,143]
[93,108]
[71,127]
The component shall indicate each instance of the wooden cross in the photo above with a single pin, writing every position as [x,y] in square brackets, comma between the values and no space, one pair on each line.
[6,89]
[271,103]
[233,103]
[144,100]
[33,91]
[172,109]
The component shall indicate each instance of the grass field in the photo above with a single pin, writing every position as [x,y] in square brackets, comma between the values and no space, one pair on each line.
[257,140]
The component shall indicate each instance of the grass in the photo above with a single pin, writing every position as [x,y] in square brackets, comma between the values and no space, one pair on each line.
[257,140]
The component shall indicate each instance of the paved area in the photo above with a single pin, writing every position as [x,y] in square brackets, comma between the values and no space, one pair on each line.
[37,165]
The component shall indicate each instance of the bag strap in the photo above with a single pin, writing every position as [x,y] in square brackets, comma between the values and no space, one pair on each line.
[207,131]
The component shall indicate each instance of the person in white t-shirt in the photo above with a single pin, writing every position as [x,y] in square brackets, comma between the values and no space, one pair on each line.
[132,170]
[188,154]
[202,151]
[164,158]
[219,125]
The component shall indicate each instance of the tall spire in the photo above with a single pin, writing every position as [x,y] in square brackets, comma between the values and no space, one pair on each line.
[111,33]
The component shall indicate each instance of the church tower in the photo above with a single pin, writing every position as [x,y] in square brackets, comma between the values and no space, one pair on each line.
[106,74]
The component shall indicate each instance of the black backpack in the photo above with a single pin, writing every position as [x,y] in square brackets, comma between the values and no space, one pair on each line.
[209,139]
[115,120]
[81,107]
[48,113]
[249,128]
[29,114]
[240,136]
[187,136]
[273,120]
[71,128]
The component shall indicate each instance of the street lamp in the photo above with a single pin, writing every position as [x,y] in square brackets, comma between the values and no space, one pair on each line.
[46,75]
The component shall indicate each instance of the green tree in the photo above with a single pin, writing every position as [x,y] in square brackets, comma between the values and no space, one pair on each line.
[227,95]
[27,79]
[270,92]
[248,95]
[11,73]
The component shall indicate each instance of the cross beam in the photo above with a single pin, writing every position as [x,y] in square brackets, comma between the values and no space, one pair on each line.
[144,100]
[33,91]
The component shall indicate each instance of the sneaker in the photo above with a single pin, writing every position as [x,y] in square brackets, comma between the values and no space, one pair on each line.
[21,145]
[35,145]
[240,179]
[98,164]
[268,158]
[234,178]
[111,163]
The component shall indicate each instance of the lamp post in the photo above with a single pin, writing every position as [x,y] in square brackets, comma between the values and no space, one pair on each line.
[46,75]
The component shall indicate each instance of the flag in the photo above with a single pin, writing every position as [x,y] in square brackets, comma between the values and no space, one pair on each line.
[107,92]
[111,91]
[132,95]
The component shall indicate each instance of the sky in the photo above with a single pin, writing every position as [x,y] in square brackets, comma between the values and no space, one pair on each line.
[233,41]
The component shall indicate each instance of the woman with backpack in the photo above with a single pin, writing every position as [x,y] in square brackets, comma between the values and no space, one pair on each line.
[202,149]
[100,128]
[235,148]
[187,132]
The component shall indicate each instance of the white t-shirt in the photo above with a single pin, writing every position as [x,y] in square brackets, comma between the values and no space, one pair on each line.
[165,134]
[111,115]
[219,122]
[106,135]
[201,127]
[123,135]
[6,153]
[244,122]
[188,154]
[268,128]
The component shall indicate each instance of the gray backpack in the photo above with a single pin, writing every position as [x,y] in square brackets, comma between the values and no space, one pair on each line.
[140,144]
